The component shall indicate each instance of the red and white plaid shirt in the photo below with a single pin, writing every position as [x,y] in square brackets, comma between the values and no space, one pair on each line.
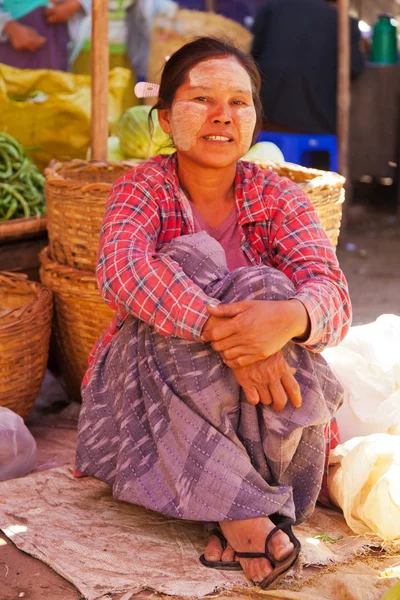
[280,227]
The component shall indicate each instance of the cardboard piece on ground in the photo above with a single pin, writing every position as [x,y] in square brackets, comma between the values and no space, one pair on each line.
[107,547]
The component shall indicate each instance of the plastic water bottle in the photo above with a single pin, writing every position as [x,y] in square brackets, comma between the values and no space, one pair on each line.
[384,40]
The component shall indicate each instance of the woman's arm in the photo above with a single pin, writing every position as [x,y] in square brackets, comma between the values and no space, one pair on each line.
[133,276]
[302,251]
[299,247]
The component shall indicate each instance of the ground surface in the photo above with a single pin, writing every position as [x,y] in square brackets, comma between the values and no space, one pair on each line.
[371,264]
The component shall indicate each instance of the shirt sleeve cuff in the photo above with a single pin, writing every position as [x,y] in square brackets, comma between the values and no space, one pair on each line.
[196,327]
[313,310]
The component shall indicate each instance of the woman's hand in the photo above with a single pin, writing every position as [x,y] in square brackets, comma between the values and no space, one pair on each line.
[62,11]
[269,381]
[211,323]
[24,38]
[255,329]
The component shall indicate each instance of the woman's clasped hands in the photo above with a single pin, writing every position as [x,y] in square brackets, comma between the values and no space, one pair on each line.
[249,336]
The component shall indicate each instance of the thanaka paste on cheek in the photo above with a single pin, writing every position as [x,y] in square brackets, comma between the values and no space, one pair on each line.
[187,118]
[247,123]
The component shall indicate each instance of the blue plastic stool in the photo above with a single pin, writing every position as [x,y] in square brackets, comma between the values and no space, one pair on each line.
[298,147]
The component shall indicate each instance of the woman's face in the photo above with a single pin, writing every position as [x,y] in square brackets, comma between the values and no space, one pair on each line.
[212,117]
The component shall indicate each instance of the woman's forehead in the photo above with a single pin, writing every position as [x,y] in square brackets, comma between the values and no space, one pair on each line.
[221,72]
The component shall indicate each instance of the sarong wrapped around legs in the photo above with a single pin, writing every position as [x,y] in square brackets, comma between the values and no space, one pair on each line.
[166,424]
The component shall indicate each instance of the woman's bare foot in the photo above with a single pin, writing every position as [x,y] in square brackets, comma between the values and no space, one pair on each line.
[214,550]
[249,536]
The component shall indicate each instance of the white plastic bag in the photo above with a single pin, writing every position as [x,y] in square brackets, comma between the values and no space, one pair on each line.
[365,483]
[367,364]
[17,446]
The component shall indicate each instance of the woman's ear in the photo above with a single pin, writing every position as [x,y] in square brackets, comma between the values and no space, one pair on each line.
[164,119]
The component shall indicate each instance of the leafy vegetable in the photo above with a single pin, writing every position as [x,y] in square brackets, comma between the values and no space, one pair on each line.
[137,141]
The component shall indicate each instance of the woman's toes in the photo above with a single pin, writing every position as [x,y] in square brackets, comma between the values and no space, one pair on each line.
[228,554]
[256,569]
[280,546]
[213,549]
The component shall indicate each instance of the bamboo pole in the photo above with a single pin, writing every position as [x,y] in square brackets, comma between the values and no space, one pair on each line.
[360,9]
[343,86]
[99,68]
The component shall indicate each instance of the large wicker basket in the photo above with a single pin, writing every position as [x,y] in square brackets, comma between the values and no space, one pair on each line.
[325,190]
[25,326]
[76,196]
[81,316]
[18,229]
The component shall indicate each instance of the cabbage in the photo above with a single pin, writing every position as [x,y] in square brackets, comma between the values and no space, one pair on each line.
[135,137]
[114,152]
[264,151]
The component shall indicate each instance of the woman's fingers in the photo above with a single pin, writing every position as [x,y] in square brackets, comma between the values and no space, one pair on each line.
[219,331]
[251,394]
[292,389]
[228,343]
[265,396]
[227,310]
[278,394]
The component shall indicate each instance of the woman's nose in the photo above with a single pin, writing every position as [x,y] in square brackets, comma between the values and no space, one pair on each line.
[221,115]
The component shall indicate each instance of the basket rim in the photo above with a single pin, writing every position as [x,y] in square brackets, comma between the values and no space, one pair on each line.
[318,173]
[65,271]
[21,228]
[54,170]
[42,295]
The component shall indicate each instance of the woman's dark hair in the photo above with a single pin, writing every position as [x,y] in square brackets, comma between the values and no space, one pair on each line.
[177,67]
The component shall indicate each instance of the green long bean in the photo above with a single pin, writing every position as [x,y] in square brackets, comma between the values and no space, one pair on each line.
[21,184]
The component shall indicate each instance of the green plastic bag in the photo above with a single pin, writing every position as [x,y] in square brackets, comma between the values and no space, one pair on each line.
[50,111]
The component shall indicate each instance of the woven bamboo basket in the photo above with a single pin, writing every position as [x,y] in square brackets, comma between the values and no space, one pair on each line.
[25,325]
[17,229]
[81,316]
[76,196]
[169,36]
[325,190]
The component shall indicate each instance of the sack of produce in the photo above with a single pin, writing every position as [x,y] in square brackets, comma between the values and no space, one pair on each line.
[364,482]
[367,364]
[17,446]
[138,139]
[21,184]
[50,111]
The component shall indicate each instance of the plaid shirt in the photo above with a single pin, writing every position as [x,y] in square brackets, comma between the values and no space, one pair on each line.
[280,228]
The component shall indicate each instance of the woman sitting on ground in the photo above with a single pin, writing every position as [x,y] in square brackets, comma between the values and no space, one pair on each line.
[207,397]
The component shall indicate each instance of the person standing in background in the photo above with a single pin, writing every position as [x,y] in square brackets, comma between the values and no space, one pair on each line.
[36,34]
[295,48]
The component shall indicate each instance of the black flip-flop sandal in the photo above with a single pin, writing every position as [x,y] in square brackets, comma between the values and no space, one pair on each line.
[282,566]
[220,564]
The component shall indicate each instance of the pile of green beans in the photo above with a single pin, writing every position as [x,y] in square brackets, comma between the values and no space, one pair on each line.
[21,184]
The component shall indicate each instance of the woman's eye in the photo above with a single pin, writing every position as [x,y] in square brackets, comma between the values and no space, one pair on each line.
[201,98]
[238,102]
